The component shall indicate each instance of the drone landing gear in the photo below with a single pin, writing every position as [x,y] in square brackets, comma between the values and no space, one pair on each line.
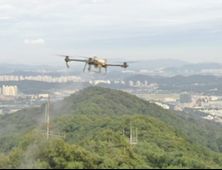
[90,67]
[100,71]
[85,67]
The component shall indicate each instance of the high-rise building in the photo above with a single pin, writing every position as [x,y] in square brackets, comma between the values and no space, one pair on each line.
[138,83]
[9,90]
[130,83]
[185,100]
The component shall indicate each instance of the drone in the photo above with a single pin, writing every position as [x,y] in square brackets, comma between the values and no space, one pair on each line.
[96,62]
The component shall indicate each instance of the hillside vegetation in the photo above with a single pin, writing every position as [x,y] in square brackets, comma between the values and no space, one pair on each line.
[94,119]
[106,102]
[103,146]
[112,103]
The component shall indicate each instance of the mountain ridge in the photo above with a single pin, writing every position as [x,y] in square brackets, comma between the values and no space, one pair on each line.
[104,102]
[93,120]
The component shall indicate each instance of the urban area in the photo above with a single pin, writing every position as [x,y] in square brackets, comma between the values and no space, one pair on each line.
[12,99]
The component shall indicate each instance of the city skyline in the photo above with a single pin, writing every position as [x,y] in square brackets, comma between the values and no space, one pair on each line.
[37,30]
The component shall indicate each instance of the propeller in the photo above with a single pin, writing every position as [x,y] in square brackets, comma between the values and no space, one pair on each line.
[67,60]
[125,65]
[72,56]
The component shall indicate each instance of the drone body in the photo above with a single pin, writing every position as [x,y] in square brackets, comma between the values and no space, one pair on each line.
[96,62]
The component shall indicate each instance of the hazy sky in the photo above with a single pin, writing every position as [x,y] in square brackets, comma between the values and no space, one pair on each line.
[31,31]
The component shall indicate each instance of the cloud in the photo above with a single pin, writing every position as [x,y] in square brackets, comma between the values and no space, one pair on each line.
[34,42]
[6,7]
[5,18]
[113,24]
[95,1]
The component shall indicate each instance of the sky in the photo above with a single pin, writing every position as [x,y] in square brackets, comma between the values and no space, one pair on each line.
[35,31]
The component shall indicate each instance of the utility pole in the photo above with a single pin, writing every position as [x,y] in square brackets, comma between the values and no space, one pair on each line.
[133,136]
[46,111]
[124,148]
[48,117]
[48,125]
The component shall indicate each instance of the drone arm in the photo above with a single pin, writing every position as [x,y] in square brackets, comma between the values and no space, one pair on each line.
[125,65]
[77,60]
[115,65]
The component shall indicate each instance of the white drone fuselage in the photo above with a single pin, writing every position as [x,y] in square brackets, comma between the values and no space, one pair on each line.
[98,63]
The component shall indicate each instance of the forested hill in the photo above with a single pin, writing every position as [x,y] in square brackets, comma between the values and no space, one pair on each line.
[105,102]
[93,120]
[103,147]
[108,102]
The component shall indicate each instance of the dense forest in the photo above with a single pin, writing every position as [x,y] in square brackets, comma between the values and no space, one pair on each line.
[102,145]
[93,120]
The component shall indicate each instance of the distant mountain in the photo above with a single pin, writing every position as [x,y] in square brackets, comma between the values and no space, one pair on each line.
[181,80]
[193,67]
[150,64]
[201,84]
[166,65]
[138,65]
[157,64]
[9,68]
